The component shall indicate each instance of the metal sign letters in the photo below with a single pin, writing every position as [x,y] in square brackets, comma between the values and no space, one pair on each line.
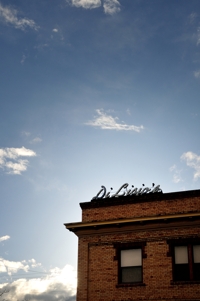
[123,191]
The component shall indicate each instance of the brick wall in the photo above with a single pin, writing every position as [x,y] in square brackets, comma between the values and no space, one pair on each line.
[102,270]
[134,209]
[97,260]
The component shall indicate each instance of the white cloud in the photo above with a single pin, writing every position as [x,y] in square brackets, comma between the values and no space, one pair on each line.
[197,73]
[107,122]
[11,161]
[177,174]
[111,6]
[58,284]
[10,16]
[11,267]
[33,263]
[193,161]
[88,4]
[16,168]
[55,30]
[6,237]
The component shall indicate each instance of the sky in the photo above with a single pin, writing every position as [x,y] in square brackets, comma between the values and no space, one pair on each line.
[92,92]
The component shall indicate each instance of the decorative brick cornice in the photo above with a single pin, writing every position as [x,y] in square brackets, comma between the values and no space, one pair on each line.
[128,221]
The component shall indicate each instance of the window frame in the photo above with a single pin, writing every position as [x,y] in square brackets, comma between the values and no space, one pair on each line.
[189,243]
[129,246]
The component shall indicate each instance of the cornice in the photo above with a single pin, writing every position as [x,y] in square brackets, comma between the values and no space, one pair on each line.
[125,222]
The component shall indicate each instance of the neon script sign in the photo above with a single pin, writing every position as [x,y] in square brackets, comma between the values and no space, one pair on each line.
[123,191]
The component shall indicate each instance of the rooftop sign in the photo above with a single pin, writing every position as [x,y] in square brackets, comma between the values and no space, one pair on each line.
[123,191]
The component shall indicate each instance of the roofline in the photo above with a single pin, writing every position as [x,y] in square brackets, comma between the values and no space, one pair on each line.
[148,197]
[81,225]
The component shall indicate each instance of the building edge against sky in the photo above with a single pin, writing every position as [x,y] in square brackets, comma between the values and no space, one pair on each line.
[139,246]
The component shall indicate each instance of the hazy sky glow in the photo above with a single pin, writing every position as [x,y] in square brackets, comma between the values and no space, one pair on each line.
[93,92]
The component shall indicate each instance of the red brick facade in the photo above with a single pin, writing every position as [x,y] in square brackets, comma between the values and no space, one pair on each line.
[156,223]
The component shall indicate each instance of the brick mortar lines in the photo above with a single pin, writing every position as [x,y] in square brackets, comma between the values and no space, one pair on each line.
[139,210]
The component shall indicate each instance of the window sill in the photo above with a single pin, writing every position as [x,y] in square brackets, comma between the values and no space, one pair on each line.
[130,284]
[184,282]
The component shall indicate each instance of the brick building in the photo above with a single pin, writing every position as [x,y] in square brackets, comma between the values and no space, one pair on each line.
[139,245]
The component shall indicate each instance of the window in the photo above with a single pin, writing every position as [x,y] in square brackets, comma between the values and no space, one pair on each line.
[131,266]
[186,261]
[196,262]
[181,263]
[130,260]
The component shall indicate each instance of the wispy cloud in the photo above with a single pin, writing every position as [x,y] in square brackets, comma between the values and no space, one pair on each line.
[192,160]
[192,18]
[30,138]
[176,174]
[10,159]
[128,112]
[24,57]
[6,237]
[26,134]
[107,122]
[9,15]
[198,36]
[110,6]
[197,74]
[36,140]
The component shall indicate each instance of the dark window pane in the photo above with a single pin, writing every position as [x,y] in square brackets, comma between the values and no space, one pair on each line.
[196,271]
[131,274]
[181,272]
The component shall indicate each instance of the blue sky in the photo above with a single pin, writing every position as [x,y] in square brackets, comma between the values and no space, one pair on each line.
[92,92]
